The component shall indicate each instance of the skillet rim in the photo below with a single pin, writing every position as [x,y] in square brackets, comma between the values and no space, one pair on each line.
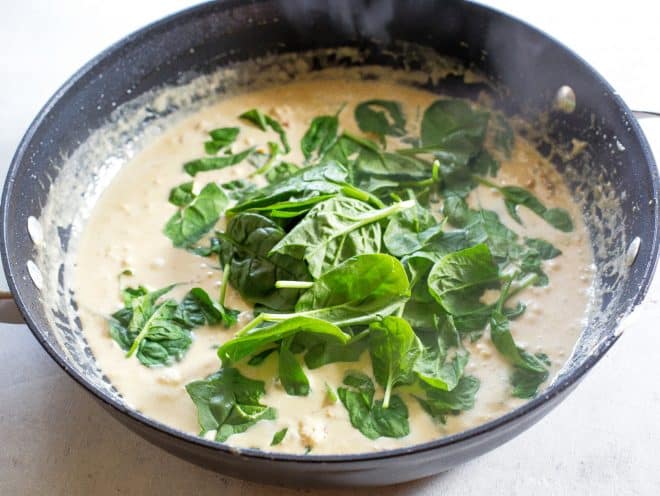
[556,389]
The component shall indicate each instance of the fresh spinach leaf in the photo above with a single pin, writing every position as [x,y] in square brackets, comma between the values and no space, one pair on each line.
[239,189]
[515,196]
[545,249]
[458,279]
[440,374]
[357,291]
[246,246]
[149,328]
[213,163]
[198,309]
[452,131]
[369,416]
[182,194]
[220,138]
[263,122]
[320,136]
[381,117]
[410,230]
[334,231]
[484,164]
[311,184]
[278,437]
[484,226]
[435,367]
[228,403]
[198,217]
[394,348]
[439,403]
[526,382]
[281,171]
[321,351]
[291,375]
[531,370]
[251,340]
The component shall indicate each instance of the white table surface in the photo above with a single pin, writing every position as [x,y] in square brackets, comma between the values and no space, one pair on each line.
[55,440]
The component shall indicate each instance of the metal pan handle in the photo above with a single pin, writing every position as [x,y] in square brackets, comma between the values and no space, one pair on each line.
[645,114]
[9,313]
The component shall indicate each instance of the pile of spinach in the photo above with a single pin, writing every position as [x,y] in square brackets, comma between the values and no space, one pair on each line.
[367,246]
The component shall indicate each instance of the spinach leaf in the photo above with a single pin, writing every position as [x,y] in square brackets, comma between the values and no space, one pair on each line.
[484,226]
[291,209]
[531,371]
[392,166]
[439,403]
[281,171]
[246,246]
[394,348]
[292,377]
[409,231]
[320,136]
[362,289]
[182,194]
[434,367]
[369,416]
[545,249]
[437,373]
[263,122]
[198,309]
[381,117]
[458,279]
[311,184]
[357,291]
[213,163]
[515,196]
[526,382]
[335,230]
[149,329]
[278,437]
[484,164]
[559,219]
[220,138]
[239,189]
[196,218]
[452,131]
[228,403]
[252,339]
[321,351]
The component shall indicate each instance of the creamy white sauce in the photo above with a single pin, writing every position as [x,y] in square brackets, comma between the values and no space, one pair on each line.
[125,231]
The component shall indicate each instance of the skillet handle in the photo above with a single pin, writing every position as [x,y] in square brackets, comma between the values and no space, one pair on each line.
[9,313]
[645,114]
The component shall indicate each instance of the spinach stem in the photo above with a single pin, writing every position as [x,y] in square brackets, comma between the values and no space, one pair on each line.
[388,392]
[486,182]
[527,282]
[293,284]
[223,286]
[435,177]
[359,194]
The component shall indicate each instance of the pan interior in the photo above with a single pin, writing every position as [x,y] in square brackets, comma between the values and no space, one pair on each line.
[84,174]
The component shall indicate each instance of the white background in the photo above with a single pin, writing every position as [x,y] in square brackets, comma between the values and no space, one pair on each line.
[54,439]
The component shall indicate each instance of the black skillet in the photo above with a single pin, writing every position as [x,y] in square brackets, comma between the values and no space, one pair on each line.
[527,62]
